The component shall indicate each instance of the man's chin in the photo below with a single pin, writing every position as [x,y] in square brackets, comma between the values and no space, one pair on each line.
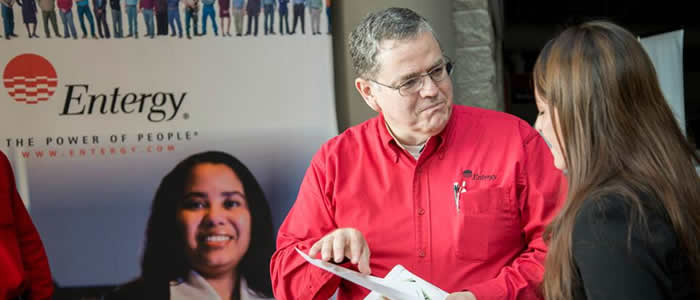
[436,124]
[438,118]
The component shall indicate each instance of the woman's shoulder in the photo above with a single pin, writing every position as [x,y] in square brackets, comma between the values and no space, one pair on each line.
[613,219]
[617,252]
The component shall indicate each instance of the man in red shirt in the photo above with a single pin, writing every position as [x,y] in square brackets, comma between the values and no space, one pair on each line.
[460,196]
[24,267]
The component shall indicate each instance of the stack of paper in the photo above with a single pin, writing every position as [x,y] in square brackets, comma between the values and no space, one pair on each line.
[399,284]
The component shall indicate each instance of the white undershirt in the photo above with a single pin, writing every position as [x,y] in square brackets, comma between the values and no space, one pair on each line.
[196,287]
[414,150]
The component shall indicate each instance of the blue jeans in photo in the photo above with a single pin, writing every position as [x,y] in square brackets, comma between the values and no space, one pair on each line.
[131,20]
[173,19]
[208,11]
[84,11]
[148,19]
[8,20]
[191,14]
[117,23]
[68,24]
[269,12]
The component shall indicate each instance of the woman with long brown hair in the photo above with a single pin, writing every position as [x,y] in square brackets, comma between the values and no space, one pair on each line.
[630,228]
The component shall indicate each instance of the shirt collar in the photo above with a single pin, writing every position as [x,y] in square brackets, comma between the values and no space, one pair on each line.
[196,287]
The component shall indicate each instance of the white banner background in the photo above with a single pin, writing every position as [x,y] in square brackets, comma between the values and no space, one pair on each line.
[268,100]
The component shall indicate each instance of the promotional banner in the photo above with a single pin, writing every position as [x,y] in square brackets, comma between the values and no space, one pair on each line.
[92,124]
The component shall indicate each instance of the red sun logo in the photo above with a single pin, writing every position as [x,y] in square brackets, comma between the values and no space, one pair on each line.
[30,78]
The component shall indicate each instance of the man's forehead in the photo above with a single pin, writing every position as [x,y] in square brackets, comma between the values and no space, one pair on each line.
[407,56]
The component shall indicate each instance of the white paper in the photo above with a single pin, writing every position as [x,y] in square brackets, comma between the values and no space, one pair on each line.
[399,284]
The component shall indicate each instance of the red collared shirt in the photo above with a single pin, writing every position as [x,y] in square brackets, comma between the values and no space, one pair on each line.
[24,267]
[491,245]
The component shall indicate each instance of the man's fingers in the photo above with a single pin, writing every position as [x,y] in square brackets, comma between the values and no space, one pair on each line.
[356,245]
[341,243]
[363,263]
[315,248]
[339,247]
[327,250]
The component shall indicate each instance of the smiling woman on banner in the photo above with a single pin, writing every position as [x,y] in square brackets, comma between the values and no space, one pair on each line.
[630,228]
[209,235]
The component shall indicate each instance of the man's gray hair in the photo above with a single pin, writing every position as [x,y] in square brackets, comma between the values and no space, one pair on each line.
[389,24]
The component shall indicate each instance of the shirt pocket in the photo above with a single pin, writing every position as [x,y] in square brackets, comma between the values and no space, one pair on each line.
[480,214]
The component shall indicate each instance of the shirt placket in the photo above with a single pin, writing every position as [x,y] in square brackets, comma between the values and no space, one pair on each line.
[422,216]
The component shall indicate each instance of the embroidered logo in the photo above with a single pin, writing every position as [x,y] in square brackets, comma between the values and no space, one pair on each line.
[475,176]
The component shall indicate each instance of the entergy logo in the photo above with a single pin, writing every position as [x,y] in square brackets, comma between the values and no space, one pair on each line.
[30,78]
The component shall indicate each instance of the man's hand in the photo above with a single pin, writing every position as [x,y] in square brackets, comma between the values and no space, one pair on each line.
[461,296]
[342,243]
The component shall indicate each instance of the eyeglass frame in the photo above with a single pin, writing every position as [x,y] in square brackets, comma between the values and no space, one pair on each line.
[447,64]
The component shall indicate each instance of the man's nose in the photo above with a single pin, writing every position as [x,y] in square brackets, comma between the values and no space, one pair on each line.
[429,88]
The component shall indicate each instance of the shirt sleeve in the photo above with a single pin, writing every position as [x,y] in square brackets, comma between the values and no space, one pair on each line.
[34,260]
[310,218]
[609,267]
[541,191]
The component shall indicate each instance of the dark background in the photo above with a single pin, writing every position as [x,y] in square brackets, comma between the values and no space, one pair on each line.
[530,24]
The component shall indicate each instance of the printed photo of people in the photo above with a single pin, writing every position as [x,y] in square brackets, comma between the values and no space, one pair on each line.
[161,18]
[209,235]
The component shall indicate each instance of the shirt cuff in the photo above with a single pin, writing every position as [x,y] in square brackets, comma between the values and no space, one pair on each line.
[320,284]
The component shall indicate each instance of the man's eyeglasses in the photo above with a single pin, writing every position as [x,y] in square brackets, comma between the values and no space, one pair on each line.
[413,85]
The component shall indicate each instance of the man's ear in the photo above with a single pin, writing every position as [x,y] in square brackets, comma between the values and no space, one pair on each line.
[367,91]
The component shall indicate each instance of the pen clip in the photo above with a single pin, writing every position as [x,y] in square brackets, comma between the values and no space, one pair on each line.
[456,190]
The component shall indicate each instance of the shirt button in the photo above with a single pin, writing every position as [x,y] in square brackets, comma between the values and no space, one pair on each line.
[421,211]
[421,253]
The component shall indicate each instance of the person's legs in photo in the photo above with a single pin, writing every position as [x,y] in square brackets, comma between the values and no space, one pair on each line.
[171,21]
[117,23]
[269,19]
[81,17]
[131,21]
[255,25]
[208,12]
[148,19]
[29,32]
[302,17]
[224,21]
[5,11]
[296,16]
[195,23]
[54,22]
[84,13]
[66,31]
[328,17]
[68,24]
[102,28]
[188,23]
[316,20]
[250,22]
[238,21]
[45,21]
[178,22]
